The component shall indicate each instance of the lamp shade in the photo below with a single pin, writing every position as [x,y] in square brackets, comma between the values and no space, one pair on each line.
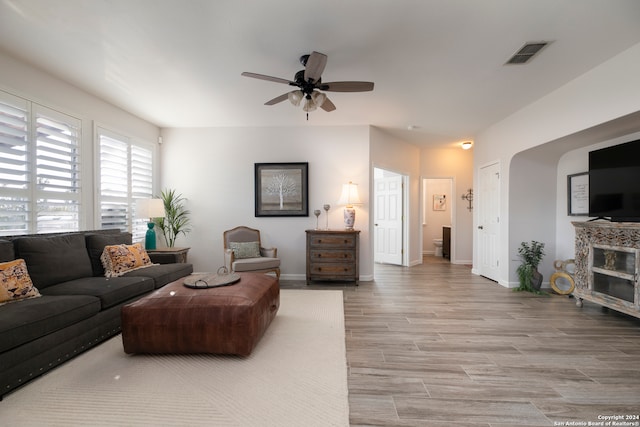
[295,97]
[349,196]
[149,208]
[309,104]
[318,98]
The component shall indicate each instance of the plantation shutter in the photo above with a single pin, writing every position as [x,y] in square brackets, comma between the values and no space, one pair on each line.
[39,168]
[114,188]
[126,174]
[14,165]
[57,171]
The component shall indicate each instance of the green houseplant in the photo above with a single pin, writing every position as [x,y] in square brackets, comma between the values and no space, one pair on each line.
[531,254]
[176,219]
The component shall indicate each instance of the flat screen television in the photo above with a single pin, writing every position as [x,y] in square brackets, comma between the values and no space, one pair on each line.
[614,182]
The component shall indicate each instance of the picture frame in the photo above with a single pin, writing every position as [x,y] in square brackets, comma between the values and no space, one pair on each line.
[281,189]
[439,202]
[578,194]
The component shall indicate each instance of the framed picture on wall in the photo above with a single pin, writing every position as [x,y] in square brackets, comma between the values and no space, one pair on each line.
[578,194]
[281,189]
[439,202]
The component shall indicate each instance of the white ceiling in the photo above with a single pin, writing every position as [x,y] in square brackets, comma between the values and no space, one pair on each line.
[436,64]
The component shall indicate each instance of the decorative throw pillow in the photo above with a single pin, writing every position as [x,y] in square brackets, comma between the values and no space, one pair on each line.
[119,259]
[15,283]
[245,249]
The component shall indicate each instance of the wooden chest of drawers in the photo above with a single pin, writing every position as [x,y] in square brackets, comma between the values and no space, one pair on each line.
[332,255]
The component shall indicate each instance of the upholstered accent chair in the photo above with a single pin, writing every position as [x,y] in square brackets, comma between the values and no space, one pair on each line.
[244,252]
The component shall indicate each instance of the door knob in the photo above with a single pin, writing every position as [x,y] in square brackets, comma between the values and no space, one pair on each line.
[480,227]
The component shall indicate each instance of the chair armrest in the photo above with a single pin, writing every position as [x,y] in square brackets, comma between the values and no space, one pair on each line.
[229,258]
[269,252]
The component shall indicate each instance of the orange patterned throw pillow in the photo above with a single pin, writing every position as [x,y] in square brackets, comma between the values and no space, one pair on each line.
[15,282]
[119,259]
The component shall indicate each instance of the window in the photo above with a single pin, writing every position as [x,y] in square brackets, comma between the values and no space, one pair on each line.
[126,174]
[39,168]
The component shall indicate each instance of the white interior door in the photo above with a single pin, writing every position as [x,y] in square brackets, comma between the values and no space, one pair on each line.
[489,221]
[388,220]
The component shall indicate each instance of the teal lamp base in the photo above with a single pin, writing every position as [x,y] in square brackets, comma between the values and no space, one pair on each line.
[150,237]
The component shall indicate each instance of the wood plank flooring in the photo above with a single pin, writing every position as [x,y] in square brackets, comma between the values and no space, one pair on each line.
[435,345]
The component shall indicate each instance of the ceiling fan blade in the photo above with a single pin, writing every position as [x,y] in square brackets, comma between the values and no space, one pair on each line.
[347,86]
[277,99]
[268,78]
[315,66]
[327,105]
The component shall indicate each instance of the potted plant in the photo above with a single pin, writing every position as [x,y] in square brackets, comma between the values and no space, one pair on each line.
[530,278]
[176,219]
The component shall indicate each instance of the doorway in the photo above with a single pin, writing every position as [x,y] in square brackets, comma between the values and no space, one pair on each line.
[437,217]
[388,212]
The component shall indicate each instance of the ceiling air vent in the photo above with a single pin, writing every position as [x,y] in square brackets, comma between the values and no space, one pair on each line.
[526,52]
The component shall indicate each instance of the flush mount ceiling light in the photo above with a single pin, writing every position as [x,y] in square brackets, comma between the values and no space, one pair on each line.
[466,145]
[527,52]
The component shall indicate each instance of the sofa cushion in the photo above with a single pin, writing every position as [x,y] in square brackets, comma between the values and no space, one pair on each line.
[163,273]
[96,244]
[110,291]
[55,259]
[118,259]
[33,318]
[15,283]
[6,251]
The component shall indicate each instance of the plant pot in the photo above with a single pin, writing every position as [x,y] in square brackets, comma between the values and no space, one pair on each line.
[536,280]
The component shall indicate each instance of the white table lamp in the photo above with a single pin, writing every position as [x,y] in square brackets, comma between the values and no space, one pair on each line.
[349,197]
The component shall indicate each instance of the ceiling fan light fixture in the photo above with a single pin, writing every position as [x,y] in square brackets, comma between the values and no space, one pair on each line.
[309,104]
[318,98]
[295,97]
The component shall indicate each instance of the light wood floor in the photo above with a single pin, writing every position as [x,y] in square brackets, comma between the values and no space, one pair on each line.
[435,345]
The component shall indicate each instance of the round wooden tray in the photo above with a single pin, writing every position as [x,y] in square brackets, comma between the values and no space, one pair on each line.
[210,280]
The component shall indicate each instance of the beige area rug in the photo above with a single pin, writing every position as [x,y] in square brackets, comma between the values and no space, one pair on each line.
[296,376]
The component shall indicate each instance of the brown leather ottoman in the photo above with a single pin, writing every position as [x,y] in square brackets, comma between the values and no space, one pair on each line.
[226,320]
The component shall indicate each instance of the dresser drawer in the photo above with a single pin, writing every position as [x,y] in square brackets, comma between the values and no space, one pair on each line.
[332,271]
[330,240]
[322,255]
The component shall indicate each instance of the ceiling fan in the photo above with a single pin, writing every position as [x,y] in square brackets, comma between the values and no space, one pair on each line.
[309,84]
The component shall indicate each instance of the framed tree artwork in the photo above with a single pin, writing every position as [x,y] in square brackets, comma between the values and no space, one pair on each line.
[281,189]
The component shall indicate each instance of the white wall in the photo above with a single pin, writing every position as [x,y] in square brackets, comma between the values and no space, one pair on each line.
[605,94]
[398,156]
[28,82]
[214,169]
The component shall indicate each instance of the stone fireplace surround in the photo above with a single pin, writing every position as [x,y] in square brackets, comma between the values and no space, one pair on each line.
[607,264]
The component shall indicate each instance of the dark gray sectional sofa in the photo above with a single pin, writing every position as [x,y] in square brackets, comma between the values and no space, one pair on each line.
[79,307]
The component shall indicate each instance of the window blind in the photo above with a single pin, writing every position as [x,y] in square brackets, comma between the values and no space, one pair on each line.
[14,165]
[126,174]
[39,168]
